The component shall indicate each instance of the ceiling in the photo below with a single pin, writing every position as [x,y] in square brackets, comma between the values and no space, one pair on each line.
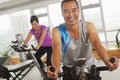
[8,4]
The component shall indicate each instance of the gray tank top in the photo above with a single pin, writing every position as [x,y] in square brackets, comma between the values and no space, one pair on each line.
[74,50]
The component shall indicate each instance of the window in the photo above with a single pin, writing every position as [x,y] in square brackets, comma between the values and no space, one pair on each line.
[88,2]
[20,22]
[105,17]
[102,37]
[44,21]
[40,11]
[111,10]
[6,32]
[55,14]
[12,24]
[111,36]
[93,15]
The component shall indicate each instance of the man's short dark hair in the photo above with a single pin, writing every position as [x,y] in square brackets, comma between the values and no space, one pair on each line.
[69,1]
[34,18]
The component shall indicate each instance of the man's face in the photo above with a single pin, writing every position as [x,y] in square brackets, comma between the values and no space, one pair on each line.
[70,12]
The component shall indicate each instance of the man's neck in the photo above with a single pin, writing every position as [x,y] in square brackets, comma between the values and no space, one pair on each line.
[73,28]
[74,31]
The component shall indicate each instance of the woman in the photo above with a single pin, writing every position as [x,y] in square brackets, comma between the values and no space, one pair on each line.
[43,39]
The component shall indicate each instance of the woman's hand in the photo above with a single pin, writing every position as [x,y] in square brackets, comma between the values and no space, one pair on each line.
[36,48]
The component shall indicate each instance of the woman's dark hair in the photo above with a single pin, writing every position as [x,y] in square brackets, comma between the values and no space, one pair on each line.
[69,1]
[34,18]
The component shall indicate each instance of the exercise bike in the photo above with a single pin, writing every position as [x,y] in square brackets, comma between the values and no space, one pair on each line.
[79,72]
[16,71]
[31,51]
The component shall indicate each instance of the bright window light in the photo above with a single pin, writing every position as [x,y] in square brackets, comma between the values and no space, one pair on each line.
[1,1]
[5,24]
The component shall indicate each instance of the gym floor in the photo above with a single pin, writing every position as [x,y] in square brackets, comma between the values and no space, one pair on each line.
[34,74]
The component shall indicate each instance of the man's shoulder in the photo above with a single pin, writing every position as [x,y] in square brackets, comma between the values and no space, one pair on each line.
[61,25]
[86,24]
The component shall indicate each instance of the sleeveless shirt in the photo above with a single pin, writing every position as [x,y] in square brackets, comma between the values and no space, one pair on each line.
[74,50]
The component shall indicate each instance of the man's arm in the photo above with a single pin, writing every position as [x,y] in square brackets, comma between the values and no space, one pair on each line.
[95,41]
[57,47]
[56,54]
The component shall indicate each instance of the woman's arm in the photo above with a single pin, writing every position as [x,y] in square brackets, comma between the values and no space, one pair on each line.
[42,37]
[27,39]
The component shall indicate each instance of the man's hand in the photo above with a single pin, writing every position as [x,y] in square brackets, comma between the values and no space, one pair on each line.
[52,75]
[112,66]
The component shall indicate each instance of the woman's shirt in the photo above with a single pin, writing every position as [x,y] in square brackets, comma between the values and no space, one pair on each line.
[47,40]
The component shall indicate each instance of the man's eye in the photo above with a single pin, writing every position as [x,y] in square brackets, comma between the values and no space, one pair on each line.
[66,11]
[74,10]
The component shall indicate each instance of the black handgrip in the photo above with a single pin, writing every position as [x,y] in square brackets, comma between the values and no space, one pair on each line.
[23,49]
[93,70]
[33,47]
[52,69]
[25,46]
[15,41]
[103,68]
[112,60]
[60,74]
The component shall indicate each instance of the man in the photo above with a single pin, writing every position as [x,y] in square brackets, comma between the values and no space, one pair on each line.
[73,39]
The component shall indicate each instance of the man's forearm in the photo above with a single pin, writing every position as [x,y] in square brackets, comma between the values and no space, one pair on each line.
[101,51]
[56,60]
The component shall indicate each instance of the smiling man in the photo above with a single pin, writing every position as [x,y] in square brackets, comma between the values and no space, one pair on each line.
[73,40]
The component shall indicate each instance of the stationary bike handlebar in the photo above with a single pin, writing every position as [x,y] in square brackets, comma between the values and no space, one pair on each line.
[103,68]
[52,69]
[20,49]
[93,70]
[34,48]
[23,48]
